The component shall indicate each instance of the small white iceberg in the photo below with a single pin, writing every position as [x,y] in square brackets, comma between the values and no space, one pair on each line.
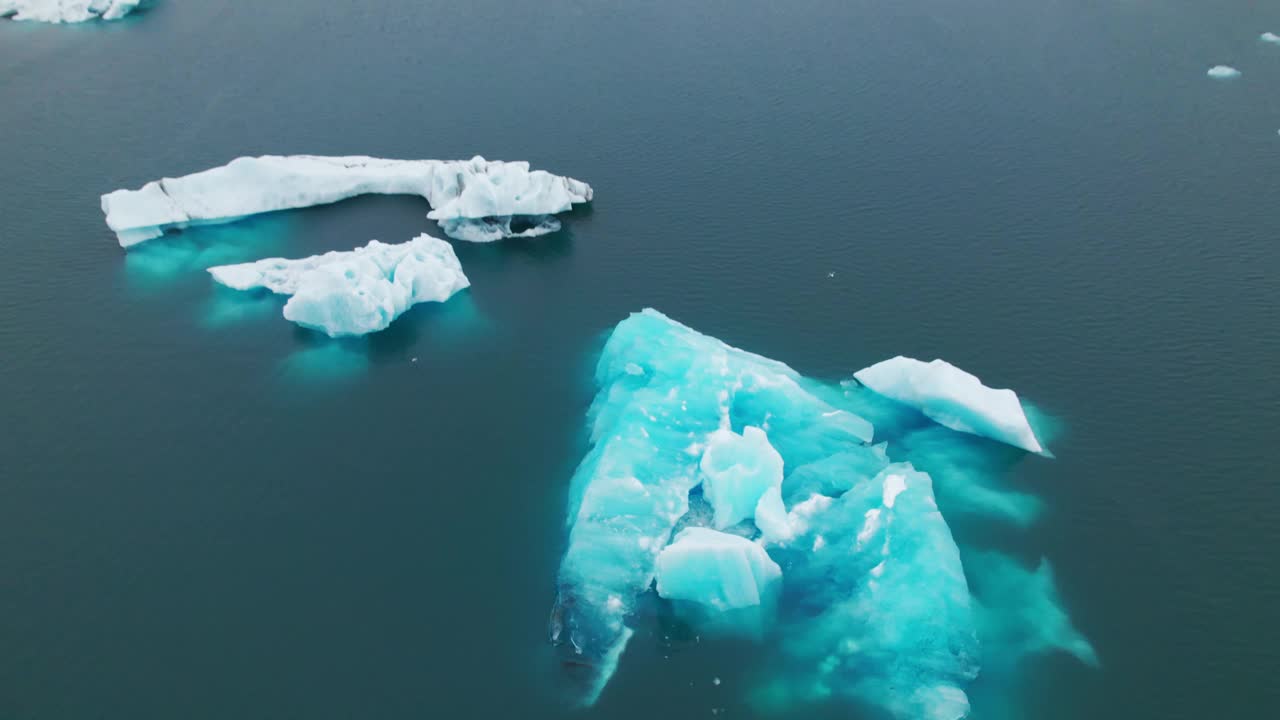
[476,200]
[1270,37]
[66,11]
[954,398]
[1223,72]
[355,292]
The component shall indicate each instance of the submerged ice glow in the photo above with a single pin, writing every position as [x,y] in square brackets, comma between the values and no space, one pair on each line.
[873,605]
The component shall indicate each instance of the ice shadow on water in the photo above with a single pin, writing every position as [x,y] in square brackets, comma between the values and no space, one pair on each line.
[324,361]
[227,307]
[424,329]
[163,261]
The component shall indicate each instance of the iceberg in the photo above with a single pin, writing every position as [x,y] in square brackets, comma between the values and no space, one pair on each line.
[475,200]
[716,569]
[1223,72]
[1270,37]
[354,292]
[788,522]
[877,600]
[664,392]
[954,398]
[66,11]
[879,608]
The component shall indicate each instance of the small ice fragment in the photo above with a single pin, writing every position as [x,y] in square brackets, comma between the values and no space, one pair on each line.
[1223,72]
[715,681]
[1270,37]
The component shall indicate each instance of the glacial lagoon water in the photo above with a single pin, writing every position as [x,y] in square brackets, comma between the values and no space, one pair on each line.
[207,512]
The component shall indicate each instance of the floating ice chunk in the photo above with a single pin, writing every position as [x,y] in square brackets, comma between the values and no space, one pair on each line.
[664,390]
[66,11]
[879,609]
[1270,37]
[716,569]
[737,470]
[476,200]
[1223,72]
[357,291]
[953,398]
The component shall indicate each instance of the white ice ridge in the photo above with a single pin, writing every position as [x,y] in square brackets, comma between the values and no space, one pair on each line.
[66,11]
[953,398]
[1270,37]
[475,200]
[355,292]
[1223,72]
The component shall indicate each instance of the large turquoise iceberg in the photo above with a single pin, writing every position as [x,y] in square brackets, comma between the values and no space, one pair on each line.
[779,473]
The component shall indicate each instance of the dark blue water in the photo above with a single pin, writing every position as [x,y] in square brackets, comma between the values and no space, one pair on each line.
[206,512]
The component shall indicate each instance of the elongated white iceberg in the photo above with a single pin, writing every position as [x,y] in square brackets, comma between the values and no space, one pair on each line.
[953,398]
[476,200]
[1270,37]
[1223,72]
[66,11]
[716,569]
[354,292]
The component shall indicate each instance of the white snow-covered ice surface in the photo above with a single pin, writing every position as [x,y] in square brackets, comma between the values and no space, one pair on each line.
[476,200]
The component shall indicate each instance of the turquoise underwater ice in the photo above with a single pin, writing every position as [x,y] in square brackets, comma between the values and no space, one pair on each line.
[759,497]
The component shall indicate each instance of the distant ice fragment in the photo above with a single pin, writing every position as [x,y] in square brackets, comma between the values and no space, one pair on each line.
[954,398]
[716,569]
[1223,72]
[476,200]
[66,11]
[737,470]
[1270,37]
[355,292]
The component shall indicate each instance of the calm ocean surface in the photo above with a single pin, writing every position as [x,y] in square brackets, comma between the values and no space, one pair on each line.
[208,513]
